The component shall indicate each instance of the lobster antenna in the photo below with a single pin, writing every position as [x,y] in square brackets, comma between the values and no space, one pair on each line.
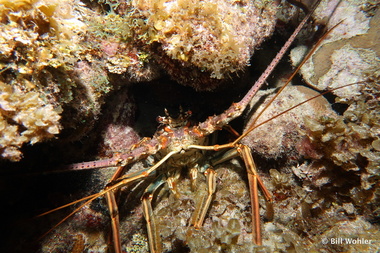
[252,92]
[287,82]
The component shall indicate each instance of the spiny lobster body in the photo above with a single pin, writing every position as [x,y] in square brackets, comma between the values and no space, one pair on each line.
[166,138]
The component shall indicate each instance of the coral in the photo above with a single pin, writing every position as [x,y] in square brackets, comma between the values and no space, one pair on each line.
[116,41]
[348,142]
[331,190]
[70,54]
[39,43]
[206,39]
[342,140]
[65,54]
[24,118]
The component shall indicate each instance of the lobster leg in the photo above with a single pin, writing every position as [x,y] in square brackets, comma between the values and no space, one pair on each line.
[115,184]
[153,236]
[172,182]
[254,182]
[202,208]
[194,177]
[114,212]
[111,191]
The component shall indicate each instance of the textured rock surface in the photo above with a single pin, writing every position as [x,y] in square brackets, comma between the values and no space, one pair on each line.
[285,131]
[73,56]
[24,118]
[203,42]
[350,53]
[322,170]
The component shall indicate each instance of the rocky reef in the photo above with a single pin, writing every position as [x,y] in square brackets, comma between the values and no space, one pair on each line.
[326,187]
[69,72]
[285,129]
[40,53]
[71,57]
[39,121]
[350,52]
[207,40]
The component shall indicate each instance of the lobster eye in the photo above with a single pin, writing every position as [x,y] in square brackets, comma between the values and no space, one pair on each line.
[160,119]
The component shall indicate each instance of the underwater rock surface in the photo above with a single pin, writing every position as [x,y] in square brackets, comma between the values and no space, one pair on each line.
[285,130]
[350,53]
[202,42]
[67,70]
[73,57]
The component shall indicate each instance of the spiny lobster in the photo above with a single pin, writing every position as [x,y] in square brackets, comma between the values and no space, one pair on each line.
[176,145]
